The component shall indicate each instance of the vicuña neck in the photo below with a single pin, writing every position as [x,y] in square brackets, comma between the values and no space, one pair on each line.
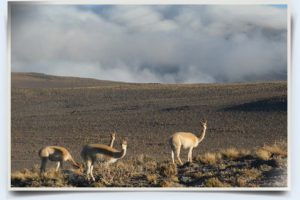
[202,135]
[112,142]
[120,154]
[74,164]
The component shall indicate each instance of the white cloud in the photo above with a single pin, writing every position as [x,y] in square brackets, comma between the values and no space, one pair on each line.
[152,43]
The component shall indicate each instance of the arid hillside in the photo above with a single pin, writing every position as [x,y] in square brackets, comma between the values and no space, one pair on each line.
[72,112]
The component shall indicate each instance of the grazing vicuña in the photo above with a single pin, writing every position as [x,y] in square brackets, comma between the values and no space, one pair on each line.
[57,154]
[102,153]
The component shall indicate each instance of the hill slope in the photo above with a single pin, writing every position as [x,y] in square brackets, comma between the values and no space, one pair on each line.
[38,80]
[49,110]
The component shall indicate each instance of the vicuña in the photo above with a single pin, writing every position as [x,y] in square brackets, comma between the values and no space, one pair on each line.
[186,140]
[57,154]
[101,153]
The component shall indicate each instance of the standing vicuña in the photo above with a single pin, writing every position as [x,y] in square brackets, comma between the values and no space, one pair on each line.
[187,140]
[102,153]
[57,154]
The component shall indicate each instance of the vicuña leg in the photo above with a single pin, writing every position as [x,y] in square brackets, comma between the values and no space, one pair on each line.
[178,155]
[57,166]
[88,169]
[190,155]
[172,155]
[92,167]
[43,164]
[61,165]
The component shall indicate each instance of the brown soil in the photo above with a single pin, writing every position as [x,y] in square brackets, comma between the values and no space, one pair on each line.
[72,112]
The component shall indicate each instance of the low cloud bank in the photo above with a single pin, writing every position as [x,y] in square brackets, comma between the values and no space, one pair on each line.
[167,44]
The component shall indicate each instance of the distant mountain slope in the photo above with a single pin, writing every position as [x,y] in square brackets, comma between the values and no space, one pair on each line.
[38,80]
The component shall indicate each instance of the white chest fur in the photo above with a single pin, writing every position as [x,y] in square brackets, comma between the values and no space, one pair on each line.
[112,160]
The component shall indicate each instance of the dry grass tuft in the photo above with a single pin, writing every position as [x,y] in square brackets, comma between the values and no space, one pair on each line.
[277,149]
[167,183]
[25,175]
[152,179]
[251,174]
[241,181]
[210,158]
[142,158]
[198,175]
[115,175]
[244,152]
[247,176]
[32,178]
[167,170]
[268,151]
[263,154]
[215,182]
[231,153]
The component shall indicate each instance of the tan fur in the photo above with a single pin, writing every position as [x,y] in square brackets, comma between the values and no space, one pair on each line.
[57,154]
[101,153]
[186,140]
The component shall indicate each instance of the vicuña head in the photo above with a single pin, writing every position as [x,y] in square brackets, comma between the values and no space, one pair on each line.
[57,154]
[186,140]
[124,144]
[101,153]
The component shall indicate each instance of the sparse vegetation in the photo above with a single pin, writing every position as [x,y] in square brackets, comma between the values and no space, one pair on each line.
[208,170]
[267,151]
[231,153]
[215,182]
[73,112]
[278,149]
[210,158]
[263,154]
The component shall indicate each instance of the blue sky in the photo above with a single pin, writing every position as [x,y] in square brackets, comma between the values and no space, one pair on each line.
[167,44]
[283,6]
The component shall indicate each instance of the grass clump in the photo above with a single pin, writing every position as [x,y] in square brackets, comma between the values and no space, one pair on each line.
[31,178]
[263,154]
[241,181]
[169,174]
[231,153]
[215,182]
[167,170]
[152,179]
[251,174]
[278,149]
[268,151]
[210,158]
[247,177]
[169,183]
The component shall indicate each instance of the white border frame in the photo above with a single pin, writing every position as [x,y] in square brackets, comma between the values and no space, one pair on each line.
[155,2]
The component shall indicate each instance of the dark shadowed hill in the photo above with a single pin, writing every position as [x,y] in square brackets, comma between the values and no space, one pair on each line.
[72,112]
